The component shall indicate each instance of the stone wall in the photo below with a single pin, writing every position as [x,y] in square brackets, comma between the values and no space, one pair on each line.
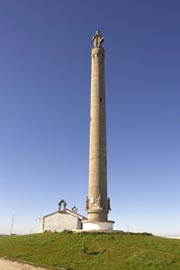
[59,222]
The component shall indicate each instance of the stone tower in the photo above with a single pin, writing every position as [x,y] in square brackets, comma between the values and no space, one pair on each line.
[97,202]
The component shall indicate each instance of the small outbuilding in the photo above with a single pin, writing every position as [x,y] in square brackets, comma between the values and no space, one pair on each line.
[61,220]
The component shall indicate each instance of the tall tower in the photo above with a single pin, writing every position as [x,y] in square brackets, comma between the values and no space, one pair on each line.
[97,202]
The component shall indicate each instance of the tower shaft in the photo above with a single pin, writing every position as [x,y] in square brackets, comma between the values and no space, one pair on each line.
[98,206]
[97,202]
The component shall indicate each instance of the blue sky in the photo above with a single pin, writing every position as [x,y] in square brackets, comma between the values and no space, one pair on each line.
[44,110]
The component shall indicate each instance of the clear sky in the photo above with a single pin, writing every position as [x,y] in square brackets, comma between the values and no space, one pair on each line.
[44,110]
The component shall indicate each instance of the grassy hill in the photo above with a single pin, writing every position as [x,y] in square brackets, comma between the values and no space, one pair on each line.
[91,251]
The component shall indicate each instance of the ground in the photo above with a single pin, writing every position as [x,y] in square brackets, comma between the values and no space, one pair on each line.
[10,265]
[84,251]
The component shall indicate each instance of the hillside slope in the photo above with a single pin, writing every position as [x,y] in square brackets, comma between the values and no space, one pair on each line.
[84,251]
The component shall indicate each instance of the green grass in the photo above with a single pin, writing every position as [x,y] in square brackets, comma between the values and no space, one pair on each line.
[105,251]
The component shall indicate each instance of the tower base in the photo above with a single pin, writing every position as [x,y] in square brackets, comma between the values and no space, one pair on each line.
[97,226]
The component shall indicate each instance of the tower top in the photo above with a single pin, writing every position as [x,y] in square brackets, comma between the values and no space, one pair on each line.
[97,39]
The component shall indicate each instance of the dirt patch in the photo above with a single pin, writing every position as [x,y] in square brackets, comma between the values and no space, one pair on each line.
[10,265]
